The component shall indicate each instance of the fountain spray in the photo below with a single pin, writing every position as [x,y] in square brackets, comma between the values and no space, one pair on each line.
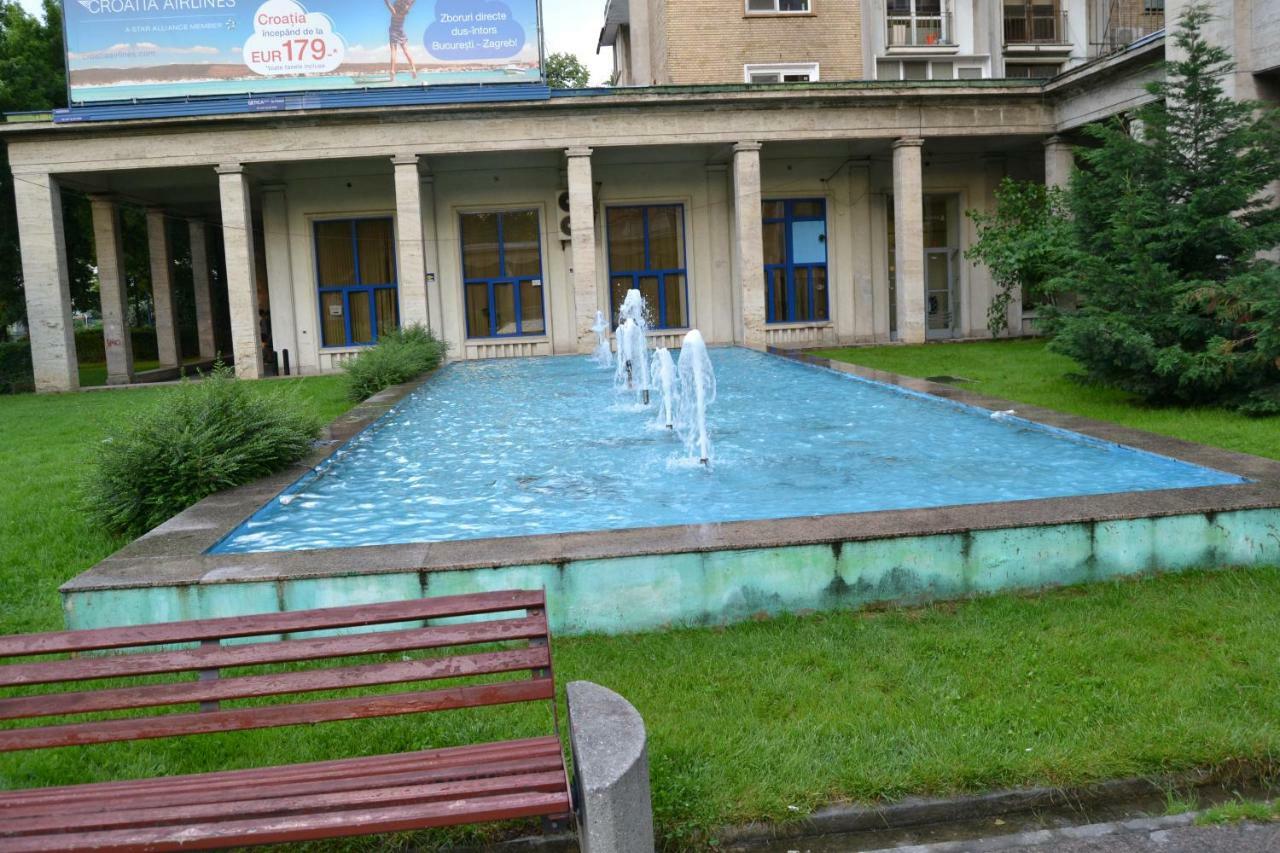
[697,392]
[664,370]
[603,355]
[632,372]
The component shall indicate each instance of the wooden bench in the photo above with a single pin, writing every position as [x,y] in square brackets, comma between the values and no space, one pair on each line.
[301,802]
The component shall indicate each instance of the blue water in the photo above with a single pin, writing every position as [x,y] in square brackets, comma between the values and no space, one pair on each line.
[531,446]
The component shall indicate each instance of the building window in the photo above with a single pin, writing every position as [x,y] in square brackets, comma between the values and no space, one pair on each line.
[1033,70]
[777,7]
[356,274]
[795,261]
[1153,7]
[502,274]
[917,23]
[919,69]
[794,72]
[1033,22]
[646,253]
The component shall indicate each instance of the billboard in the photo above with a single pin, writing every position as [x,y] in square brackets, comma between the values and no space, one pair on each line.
[138,50]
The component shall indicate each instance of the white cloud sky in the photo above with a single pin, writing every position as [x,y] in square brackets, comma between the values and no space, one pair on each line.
[567,30]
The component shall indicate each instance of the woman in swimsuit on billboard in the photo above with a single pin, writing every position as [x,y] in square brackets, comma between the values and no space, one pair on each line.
[399,11]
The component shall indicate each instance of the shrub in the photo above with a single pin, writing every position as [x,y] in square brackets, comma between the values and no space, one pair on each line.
[204,437]
[399,356]
[16,376]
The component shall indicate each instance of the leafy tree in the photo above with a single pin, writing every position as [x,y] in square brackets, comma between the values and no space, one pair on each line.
[1165,231]
[1025,243]
[566,71]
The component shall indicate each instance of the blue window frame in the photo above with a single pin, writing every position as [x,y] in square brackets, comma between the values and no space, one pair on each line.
[502,274]
[647,253]
[356,277]
[795,260]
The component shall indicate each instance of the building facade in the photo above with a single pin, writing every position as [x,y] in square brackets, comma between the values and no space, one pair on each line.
[824,214]
[695,42]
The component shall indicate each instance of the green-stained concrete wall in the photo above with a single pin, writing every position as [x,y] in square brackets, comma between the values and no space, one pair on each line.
[648,592]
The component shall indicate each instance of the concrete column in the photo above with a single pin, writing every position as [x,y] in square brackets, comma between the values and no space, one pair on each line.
[279,260]
[582,218]
[202,288]
[108,246]
[748,243]
[722,324]
[411,255]
[166,308]
[45,283]
[431,253]
[864,257]
[1059,162]
[611,767]
[242,288]
[640,44]
[908,224]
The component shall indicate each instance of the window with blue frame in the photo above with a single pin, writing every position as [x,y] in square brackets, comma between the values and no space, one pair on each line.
[356,274]
[795,261]
[502,274]
[646,253]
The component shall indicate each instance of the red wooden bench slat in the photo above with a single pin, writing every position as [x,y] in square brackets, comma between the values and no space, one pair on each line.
[270,623]
[291,828]
[170,725]
[270,804]
[329,799]
[278,684]
[450,763]
[254,654]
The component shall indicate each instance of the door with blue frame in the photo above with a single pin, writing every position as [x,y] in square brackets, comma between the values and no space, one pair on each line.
[795,261]
[502,274]
[647,253]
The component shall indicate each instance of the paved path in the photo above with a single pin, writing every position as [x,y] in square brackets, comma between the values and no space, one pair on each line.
[1175,834]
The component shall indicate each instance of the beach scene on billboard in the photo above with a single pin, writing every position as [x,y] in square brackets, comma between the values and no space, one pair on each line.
[129,50]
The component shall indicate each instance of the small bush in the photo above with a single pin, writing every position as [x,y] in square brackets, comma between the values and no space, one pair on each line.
[399,356]
[204,437]
[16,376]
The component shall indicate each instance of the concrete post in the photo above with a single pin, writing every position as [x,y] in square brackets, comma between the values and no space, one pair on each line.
[202,289]
[611,764]
[166,308]
[864,288]
[723,326]
[1059,162]
[411,255]
[431,253]
[582,218]
[748,244]
[45,283]
[908,224]
[279,262]
[108,246]
[242,286]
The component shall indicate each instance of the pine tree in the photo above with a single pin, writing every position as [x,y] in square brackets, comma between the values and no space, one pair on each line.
[1169,215]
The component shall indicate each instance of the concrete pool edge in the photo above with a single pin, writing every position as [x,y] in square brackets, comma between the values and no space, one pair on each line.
[722,571]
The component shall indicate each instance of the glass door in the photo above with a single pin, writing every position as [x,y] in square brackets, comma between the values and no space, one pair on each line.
[941,265]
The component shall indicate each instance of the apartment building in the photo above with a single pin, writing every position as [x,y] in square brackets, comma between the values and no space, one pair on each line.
[660,42]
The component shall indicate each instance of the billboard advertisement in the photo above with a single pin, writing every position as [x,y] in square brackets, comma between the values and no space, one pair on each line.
[138,50]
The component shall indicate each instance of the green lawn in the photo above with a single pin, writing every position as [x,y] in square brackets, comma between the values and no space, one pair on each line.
[772,719]
[1025,371]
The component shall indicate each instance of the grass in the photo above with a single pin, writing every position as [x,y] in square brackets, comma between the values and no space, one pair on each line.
[1063,687]
[95,373]
[1025,371]
[1240,810]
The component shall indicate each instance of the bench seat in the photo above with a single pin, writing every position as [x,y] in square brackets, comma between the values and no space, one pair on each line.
[399,645]
[360,796]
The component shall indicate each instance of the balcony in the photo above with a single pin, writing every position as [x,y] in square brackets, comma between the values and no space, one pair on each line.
[1032,25]
[918,31]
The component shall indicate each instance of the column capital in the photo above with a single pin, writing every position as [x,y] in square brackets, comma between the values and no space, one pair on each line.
[229,168]
[103,198]
[746,147]
[196,221]
[908,142]
[1057,141]
[399,160]
[578,151]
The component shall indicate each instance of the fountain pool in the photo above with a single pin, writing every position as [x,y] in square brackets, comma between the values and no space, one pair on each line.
[828,487]
[538,446]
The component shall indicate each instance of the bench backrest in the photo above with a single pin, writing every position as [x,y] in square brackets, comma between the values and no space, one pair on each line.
[516,670]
